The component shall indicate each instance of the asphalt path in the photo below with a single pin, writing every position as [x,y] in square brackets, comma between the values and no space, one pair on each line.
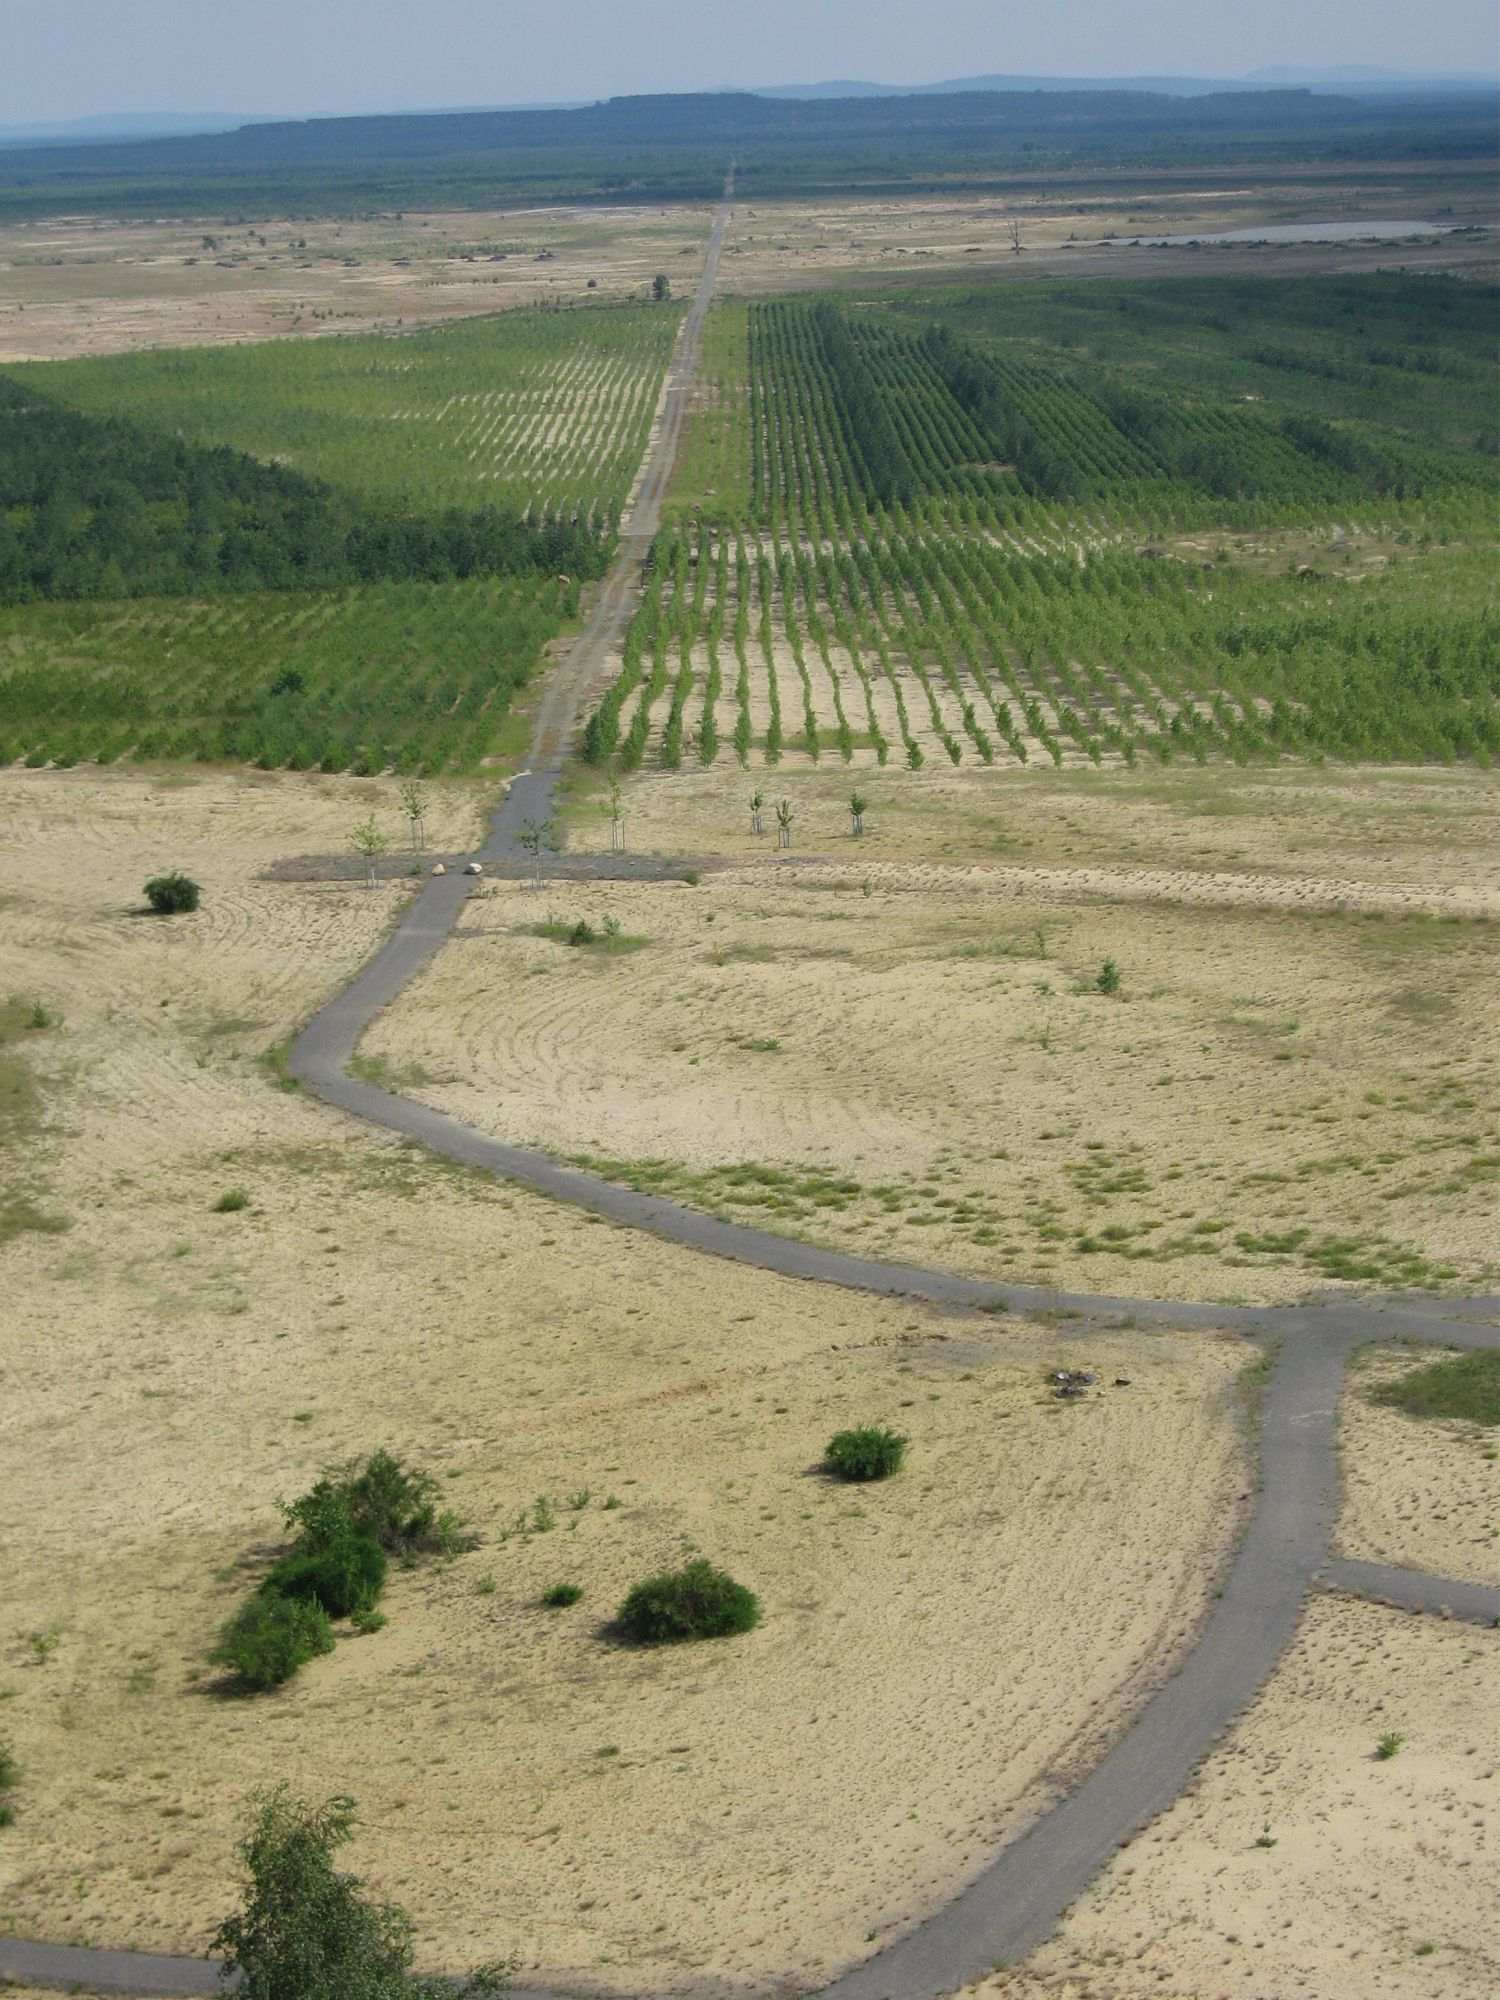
[1016,1901]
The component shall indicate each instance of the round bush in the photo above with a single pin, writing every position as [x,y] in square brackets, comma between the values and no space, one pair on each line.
[270,1637]
[169,894]
[867,1452]
[561,1594]
[344,1574]
[697,1602]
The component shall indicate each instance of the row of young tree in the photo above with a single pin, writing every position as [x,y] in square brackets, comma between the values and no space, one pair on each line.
[400,675]
[95,507]
[846,409]
[903,643]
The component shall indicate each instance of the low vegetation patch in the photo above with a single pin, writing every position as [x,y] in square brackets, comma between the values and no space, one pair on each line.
[606,937]
[1460,1385]
[561,1594]
[345,1530]
[10,1777]
[869,1451]
[695,1602]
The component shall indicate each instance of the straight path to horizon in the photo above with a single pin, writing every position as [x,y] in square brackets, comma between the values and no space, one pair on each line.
[1016,1901]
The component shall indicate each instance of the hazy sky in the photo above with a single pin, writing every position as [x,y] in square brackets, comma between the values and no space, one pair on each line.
[72,58]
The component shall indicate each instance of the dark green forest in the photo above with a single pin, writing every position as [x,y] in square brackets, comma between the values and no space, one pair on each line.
[95,507]
[678,146]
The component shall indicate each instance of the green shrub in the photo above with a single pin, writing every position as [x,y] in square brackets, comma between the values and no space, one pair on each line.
[10,1770]
[1108,981]
[1389,1745]
[307,1932]
[1460,1385]
[170,894]
[391,1502]
[270,1637]
[583,932]
[561,1594]
[867,1452]
[344,1573]
[231,1202]
[696,1602]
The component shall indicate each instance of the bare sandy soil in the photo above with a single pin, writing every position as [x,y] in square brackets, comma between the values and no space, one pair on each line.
[899,1045]
[748,1812]
[1418,1491]
[1382,1877]
[795,245]
[84,285]
[92,285]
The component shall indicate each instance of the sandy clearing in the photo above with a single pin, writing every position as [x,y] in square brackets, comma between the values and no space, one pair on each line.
[91,285]
[87,285]
[1419,1492]
[918,1042]
[1372,1861]
[792,245]
[170,1371]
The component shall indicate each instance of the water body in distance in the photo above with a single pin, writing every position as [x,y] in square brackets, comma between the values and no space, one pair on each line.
[1299,232]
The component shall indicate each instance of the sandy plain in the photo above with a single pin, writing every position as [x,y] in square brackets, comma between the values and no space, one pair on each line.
[897,1044]
[1381,1877]
[642,1821]
[1420,1492]
[94,285]
[1086,232]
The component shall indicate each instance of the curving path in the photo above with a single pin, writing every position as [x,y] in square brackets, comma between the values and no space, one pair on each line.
[1016,1901]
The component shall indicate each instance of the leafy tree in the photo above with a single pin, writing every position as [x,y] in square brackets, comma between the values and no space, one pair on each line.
[369,843]
[661,287]
[309,1932]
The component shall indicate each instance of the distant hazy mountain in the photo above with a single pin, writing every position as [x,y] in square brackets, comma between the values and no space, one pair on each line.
[125,125]
[1359,79]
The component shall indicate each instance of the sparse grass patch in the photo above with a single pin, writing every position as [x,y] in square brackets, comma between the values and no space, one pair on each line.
[1466,1386]
[231,1201]
[561,1594]
[607,940]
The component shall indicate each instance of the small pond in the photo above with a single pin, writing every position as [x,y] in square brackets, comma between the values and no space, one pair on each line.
[1297,232]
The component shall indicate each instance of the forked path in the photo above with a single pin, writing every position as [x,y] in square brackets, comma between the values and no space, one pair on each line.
[1018,1898]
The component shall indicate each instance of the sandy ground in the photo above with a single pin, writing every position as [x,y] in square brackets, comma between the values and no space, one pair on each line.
[748,1812]
[797,245]
[913,1041]
[84,285]
[92,285]
[1383,1877]
[1420,1492]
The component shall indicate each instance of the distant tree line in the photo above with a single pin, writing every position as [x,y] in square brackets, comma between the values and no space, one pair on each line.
[96,507]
